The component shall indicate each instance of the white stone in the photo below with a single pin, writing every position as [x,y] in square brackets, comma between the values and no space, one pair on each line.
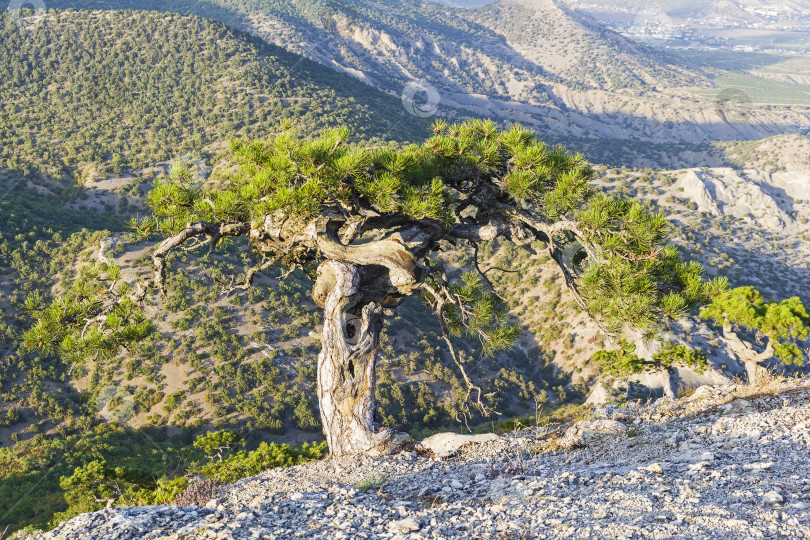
[404,525]
[447,444]
[587,432]
[758,466]
[772,497]
[655,468]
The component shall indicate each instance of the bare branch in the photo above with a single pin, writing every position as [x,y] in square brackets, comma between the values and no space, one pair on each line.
[284,275]
[252,271]
[197,244]
[101,319]
[483,273]
[438,308]
[214,231]
[397,252]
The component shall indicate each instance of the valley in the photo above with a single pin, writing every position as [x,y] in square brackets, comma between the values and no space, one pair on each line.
[702,116]
[626,94]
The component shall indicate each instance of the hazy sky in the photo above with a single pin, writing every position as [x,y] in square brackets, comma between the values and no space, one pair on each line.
[464,3]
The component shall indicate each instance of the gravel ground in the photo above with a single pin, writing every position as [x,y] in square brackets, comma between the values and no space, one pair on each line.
[727,462]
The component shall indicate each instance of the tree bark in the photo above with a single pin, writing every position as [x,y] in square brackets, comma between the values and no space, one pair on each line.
[750,358]
[666,383]
[753,371]
[347,362]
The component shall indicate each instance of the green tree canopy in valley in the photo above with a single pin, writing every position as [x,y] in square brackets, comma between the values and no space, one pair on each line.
[366,225]
[783,324]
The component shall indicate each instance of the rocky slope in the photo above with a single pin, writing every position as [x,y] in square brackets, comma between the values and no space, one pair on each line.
[749,224]
[501,50]
[728,461]
[516,61]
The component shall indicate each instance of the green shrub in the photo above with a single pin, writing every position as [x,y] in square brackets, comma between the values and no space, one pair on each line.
[372,482]
[217,442]
[673,354]
[266,456]
[623,362]
[619,362]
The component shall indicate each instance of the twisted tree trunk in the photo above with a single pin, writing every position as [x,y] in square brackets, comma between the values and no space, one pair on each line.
[346,364]
[750,358]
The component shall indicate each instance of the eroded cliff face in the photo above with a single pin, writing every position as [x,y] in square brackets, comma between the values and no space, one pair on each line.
[536,62]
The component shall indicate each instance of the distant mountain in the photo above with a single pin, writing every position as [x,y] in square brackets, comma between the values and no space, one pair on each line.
[738,10]
[507,50]
[463,3]
[443,41]
[537,62]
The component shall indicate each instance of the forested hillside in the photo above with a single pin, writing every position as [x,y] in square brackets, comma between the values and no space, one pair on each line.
[484,42]
[620,102]
[111,91]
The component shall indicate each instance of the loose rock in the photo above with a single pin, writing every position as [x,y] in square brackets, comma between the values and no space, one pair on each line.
[690,470]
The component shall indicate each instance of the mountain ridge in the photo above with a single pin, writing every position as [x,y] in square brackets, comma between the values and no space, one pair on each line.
[460,63]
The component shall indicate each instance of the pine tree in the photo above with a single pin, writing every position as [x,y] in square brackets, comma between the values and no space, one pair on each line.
[366,225]
[783,324]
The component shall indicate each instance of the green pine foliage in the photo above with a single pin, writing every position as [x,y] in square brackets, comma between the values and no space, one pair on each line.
[300,176]
[62,327]
[619,362]
[215,443]
[128,462]
[680,354]
[305,415]
[784,323]
[633,278]
[482,316]
[624,361]
[92,486]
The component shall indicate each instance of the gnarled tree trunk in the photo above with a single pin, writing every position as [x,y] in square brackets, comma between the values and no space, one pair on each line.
[750,358]
[753,371]
[346,364]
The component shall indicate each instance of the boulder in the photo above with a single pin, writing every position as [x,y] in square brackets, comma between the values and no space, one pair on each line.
[404,525]
[737,406]
[772,498]
[599,396]
[448,444]
[591,432]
